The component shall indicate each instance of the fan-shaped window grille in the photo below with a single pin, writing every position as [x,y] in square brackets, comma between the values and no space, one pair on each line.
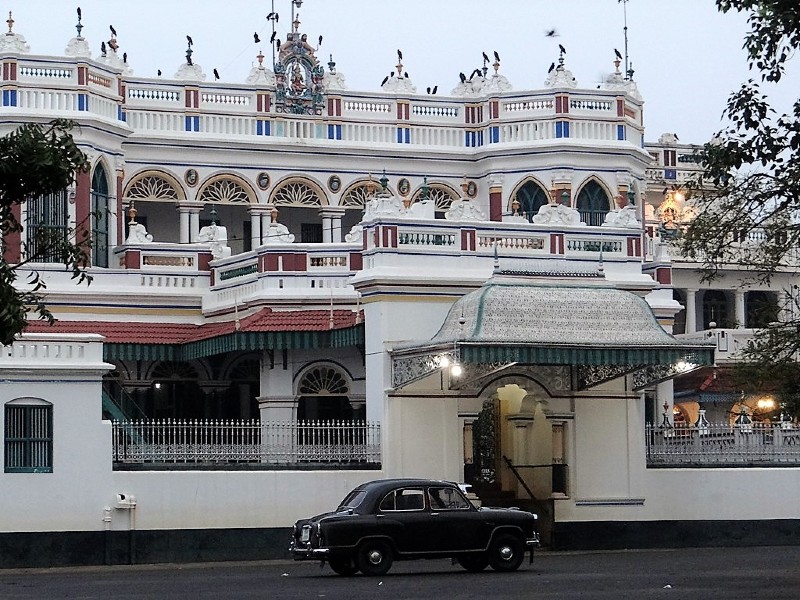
[224,190]
[593,203]
[441,196]
[323,381]
[174,370]
[531,198]
[152,187]
[357,197]
[296,194]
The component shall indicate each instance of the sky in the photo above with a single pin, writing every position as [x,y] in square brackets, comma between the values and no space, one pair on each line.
[687,57]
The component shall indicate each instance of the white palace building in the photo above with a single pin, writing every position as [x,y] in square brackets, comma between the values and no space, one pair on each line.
[298,287]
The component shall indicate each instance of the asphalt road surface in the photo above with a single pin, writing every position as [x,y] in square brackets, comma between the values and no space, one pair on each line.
[698,574]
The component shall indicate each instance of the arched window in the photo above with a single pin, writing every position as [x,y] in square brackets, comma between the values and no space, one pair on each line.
[226,191]
[531,198]
[28,442]
[296,193]
[593,203]
[151,187]
[323,396]
[46,225]
[358,195]
[100,217]
[442,197]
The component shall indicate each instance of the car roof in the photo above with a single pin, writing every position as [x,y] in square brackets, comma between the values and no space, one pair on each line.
[387,484]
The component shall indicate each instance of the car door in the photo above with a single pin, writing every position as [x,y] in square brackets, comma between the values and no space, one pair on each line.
[407,519]
[458,523]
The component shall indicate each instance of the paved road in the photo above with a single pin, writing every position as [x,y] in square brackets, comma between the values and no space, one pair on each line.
[693,574]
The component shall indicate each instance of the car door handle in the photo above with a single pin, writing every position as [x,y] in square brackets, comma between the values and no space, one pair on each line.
[434,514]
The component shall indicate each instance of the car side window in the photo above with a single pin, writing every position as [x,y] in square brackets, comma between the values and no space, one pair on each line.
[446,498]
[403,499]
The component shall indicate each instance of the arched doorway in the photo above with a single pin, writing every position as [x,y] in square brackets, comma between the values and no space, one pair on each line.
[593,203]
[531,198]
[100,221]
[323,395]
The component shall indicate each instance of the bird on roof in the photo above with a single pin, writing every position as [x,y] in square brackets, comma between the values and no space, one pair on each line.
[277,17]
[399,54]
[385,79]
[159,72]
[189,60]
[125,57]
[79,13]
[319,42]
[428,89]
[256,39]
[189,39]
[496,56]
[405,74]
[113,31]
[552,66]
[551,32]
[216,74]
[475,72]
[462,77]
[485,57]
[270,16]
[278,45]
[616,52]
[391,74]
[563,50]
[436,87]
[272,37]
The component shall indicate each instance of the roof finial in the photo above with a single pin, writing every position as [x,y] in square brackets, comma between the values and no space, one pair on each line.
[79,27]
[10,22]
[296,23]
[260,59]
[384,181]
[332,66]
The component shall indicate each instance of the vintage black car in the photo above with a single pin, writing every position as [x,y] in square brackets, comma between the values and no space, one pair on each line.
[401,519]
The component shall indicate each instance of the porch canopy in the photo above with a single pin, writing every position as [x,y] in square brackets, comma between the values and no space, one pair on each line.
[603,332]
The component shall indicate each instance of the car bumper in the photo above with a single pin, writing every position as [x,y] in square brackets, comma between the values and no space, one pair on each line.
[533,542]
[300,552]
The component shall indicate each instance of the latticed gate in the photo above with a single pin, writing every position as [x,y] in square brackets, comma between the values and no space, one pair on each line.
[486,441]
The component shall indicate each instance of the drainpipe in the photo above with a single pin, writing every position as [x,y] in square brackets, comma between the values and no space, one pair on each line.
[107,534]
[128,502]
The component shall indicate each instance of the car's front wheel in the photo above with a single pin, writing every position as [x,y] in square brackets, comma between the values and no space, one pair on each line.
[374,558]
[506,552]
[474,563]
[343,566]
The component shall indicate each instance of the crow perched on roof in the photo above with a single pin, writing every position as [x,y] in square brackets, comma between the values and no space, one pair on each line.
[216,74]
[385,79]
[617,53]
[113,31]
[563,50]
[552,66]
[189,39]
[256,39]
[496,56]
[462,77]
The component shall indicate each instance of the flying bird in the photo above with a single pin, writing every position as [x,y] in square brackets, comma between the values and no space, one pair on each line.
[216,74]
[319,42]
[563,50]
[436,87]
[617,54]
[79,13]
[485,57]
[189,39]
[462,77]
[113,31]
[552,66]
[270,16]
[256,39]
[496,56]
[385,79]
[551,33]
[272,37]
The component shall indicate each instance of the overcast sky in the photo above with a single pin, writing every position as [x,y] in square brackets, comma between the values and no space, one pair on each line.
[686,55]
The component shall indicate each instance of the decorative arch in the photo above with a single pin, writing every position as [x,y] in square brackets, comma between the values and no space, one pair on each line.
[152,185]
[100,222]
[593,201]
[359,193]
[298,191]
[442,195]
[226,189]
[241,367]
[323,394]
[323,380]
[531,195]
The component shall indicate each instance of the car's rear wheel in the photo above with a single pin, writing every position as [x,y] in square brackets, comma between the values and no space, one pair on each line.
[374,558]
[343,566]
[506,552]
[474,563]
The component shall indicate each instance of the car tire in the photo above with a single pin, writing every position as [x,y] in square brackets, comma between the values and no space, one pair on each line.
[474,563]
[343,566]
[374,558]
[506,552]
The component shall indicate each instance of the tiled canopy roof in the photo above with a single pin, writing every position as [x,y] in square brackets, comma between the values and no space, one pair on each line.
[266,329]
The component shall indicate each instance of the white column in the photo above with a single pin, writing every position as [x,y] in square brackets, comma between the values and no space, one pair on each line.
[740,314]
[665,395]
[332,223]
[326,229]
[691,311]
[194,225]
[183,221]
[189,220]
[258,225]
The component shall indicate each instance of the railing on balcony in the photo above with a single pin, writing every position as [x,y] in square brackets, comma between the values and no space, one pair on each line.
[149,443]
[745,444]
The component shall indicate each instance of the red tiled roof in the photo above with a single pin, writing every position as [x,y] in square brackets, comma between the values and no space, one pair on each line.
[265,320]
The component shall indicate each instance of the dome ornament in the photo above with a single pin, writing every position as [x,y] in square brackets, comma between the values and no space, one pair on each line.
[79,27]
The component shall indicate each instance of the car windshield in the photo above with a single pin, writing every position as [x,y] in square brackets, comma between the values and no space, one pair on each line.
[352,500]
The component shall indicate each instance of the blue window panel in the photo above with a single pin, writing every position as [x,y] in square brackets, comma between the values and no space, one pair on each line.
[121,115]
[562,129]
[469,139]
[9,97]
[192,123]
[330,132]
[494,132]
[334,132]
[83,102]
[338,132]
[620,132]
[188,125]
[480,138]
[399,135]
[408,135]
[670,174]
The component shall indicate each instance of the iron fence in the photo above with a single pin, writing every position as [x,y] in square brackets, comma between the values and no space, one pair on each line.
[232,441]
[748,444]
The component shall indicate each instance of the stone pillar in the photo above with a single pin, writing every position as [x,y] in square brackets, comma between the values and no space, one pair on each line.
[740,312]
[496,198]
[189,220]
[332,223]
[277,408]
[258,225]
[691,310]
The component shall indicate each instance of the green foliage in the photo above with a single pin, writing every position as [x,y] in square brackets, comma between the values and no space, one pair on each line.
[37,160]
